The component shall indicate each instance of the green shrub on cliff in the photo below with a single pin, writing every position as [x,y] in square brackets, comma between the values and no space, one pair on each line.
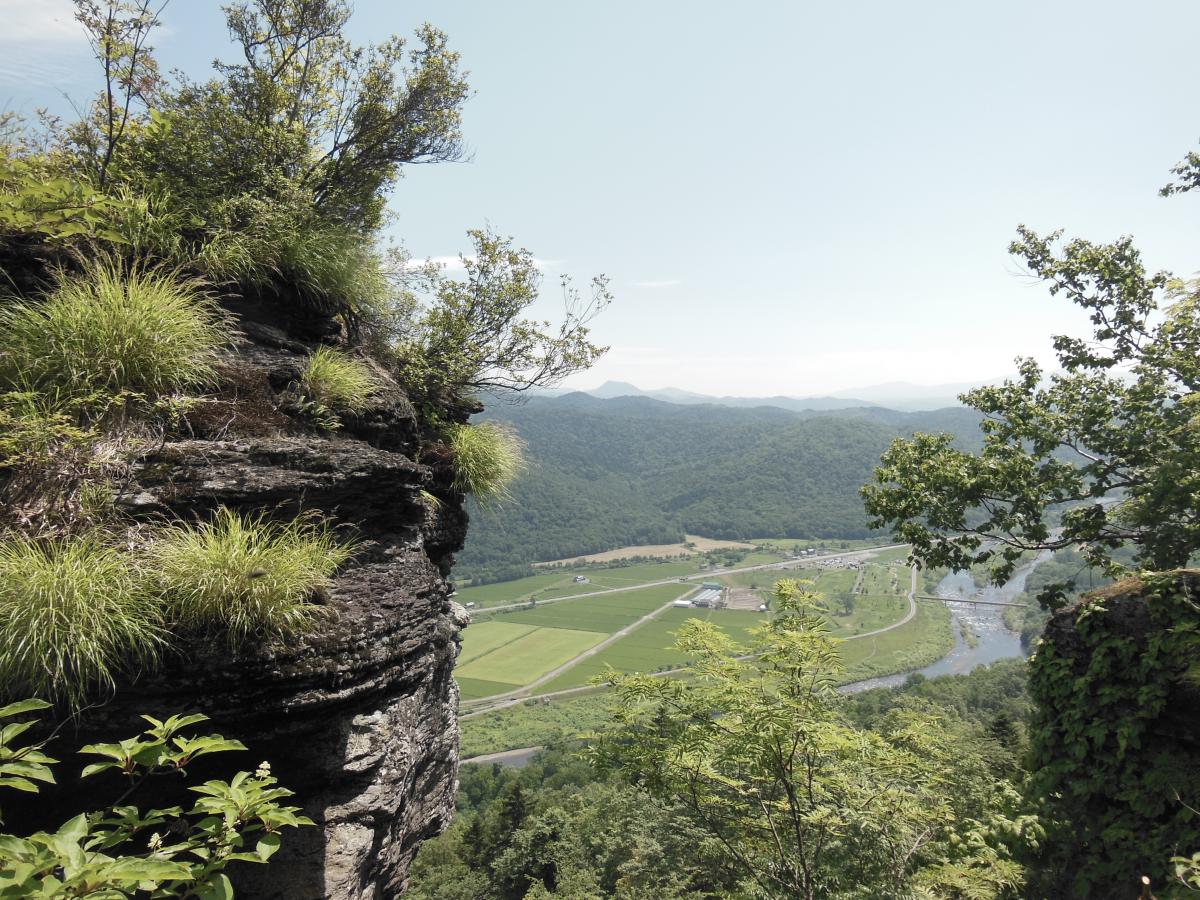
[486,457]
[123,851]
[241,576]
[73,614]
[334,380]
[112,331]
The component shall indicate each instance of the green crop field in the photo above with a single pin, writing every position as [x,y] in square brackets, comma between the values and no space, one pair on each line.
[648,649]
[510,592]
[606,613]
[528,657]
[485,637]
[477,688]
[510,649]
[761,558]
[561,583]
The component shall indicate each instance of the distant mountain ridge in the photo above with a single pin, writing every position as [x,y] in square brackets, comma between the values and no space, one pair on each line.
[629,470]
[900,395]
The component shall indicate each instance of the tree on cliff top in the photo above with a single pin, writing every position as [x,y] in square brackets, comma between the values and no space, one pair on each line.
[271,179]
[1104,454]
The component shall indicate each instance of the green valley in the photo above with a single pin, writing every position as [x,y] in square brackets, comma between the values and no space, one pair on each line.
[630,470]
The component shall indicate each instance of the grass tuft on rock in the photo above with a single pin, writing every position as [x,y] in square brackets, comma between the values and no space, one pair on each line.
[242,576]
[487,458]
[336,380]
[113,330]
[73,614]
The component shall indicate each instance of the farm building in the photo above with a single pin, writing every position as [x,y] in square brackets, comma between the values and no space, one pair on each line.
[683,604]
[707,597]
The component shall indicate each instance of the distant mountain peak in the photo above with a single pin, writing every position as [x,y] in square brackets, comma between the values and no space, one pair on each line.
[899,395]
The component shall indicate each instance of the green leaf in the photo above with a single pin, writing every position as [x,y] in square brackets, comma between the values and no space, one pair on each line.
[266,846]
[217,889]
[22,706]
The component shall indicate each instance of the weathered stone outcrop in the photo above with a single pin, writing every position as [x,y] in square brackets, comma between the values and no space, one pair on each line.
[358,718]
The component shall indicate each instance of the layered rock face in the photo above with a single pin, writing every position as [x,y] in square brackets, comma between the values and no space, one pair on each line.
[358,718]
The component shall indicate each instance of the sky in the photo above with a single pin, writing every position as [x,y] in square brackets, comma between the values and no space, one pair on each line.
[788,197]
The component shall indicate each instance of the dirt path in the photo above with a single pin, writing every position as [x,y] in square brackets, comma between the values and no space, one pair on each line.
[908,617]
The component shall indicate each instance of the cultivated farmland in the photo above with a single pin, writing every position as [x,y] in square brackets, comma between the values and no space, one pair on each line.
[513,648]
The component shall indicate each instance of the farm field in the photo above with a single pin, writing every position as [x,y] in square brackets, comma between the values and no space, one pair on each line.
[515,647]
[535,723]
[560,583]
[503,592]
[699,545]
[529,656]
[508,649]
[648,649]
[606,613]
[487,637]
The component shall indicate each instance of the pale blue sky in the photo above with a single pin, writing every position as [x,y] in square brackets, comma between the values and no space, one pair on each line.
[789,197]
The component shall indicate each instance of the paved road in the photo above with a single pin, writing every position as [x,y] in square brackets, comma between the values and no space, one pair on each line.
[500,701]
[700,576]
[514,759]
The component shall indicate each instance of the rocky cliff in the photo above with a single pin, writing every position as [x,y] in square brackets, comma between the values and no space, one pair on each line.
[359,717]
[1116,735]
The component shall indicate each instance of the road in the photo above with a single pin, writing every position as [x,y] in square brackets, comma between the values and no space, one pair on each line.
[700,576]
[500,701]
[524,691]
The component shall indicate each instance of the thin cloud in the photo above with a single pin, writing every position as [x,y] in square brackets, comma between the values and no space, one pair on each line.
[658,283]
[45,21]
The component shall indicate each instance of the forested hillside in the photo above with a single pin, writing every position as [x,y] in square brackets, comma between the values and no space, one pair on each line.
[631,470]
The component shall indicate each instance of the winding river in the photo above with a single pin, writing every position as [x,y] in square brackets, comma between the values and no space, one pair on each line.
[994,640]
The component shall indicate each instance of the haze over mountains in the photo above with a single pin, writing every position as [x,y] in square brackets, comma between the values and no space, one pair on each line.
[901,395]
[625,470]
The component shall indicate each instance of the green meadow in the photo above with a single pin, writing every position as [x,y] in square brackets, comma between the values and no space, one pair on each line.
[649,648]
[512,648]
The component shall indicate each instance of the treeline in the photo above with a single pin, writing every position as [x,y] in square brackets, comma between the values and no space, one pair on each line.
[1067,568]
[626,471]
[562,828]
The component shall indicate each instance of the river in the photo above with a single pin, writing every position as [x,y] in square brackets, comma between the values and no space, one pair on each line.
[994,640]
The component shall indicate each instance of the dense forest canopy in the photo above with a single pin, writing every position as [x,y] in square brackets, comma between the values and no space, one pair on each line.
[627,471]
